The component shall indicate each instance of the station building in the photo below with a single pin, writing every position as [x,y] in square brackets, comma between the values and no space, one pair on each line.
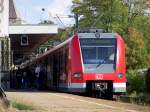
[18,40]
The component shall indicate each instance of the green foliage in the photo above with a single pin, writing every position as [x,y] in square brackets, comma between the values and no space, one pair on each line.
[102,14]
[135,50]
[142,98]
[146,98]
[22,106]
[142,24]
[63,34]
[136,82]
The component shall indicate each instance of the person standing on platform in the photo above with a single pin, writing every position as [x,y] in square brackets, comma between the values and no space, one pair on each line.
[37,74]
[40,75]
[24,79]
[19,78]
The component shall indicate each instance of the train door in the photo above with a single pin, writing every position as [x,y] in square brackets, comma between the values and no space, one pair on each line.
[45,72]
[50,71]
[55,70]
[65,64]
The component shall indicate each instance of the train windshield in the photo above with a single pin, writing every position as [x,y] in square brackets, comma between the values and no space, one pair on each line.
[98,54]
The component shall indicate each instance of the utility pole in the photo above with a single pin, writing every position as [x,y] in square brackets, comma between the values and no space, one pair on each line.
[130,6]
[76,21]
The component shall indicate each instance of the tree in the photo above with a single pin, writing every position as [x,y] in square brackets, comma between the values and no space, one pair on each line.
[108,14]
[125,18]
[46,22]
[65,33]
[135,50]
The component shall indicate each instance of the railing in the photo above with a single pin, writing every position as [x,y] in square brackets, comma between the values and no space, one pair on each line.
[2,93]
[4,98]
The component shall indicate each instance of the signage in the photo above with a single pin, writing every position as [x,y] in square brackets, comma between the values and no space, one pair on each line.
[97,41]
[97,35]
[99,76]
[4,18]
[24,40]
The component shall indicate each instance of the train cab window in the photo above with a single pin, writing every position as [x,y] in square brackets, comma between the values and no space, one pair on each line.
[89,50]
[106,53]
[98,55]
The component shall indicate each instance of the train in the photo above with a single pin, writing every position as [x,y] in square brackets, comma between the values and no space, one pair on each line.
[91,61]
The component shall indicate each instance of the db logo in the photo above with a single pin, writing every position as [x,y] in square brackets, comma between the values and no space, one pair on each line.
[99,76]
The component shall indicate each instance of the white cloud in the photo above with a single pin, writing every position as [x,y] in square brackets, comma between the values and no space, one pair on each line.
[60,8]
[32,10]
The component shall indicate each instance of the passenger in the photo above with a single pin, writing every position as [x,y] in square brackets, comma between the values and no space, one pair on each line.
[37,72]
[41,77]
[19,78]
[27,78]
[31,78]
[24,79]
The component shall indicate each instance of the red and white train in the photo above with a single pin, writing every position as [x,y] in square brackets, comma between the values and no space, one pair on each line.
[90,61]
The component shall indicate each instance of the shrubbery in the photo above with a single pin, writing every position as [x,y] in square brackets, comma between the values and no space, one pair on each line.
[138,88]
[135,82]
[147,81]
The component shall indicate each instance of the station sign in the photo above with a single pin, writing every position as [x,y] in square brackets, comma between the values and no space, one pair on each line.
[4,18]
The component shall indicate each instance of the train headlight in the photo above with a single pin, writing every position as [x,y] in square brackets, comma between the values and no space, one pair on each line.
[120,75]
[77,75]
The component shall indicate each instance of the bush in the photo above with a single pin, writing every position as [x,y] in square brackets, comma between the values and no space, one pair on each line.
[136,82]
[147,81]
[142,98]
[146,98]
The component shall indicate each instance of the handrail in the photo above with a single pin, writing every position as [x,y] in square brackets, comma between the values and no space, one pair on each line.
[3,97]
[2,93]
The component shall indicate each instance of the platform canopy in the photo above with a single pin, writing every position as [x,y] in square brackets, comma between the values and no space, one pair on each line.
[26,38]
[33,29]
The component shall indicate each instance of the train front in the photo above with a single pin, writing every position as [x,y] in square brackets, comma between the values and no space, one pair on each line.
[103,63]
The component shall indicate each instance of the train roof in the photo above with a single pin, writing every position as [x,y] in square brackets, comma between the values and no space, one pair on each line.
[92,34]
[91,30]
[55,48]
[95,33]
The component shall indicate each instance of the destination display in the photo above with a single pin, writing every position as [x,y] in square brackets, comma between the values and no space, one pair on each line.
[97,41]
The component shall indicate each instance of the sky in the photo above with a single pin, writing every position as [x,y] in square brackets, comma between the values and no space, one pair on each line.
[31,11]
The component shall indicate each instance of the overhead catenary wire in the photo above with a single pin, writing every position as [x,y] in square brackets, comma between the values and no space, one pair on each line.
[66,16]
[60,21]
[94,23]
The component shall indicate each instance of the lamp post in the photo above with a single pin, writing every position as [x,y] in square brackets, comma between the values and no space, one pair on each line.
[76,21]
